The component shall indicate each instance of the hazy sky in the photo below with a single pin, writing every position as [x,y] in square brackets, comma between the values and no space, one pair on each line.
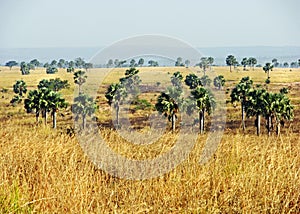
[210,23]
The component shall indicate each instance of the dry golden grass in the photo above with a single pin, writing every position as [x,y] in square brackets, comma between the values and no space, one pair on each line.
[45,171]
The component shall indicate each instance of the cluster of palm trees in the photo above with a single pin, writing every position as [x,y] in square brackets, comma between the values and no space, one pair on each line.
[258,102]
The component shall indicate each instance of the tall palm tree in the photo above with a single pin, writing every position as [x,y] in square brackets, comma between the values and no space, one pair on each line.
[240,93]
[167,105]
[84,105]
[55,102]
[219,81]
[255,106]
[279,107]
[79,79]
[267,68]
[115,94]
[204,102]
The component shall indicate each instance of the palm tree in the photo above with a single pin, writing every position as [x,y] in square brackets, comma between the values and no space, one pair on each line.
[168,102]
[176,79]
[255,106]
[205,80]
[115,94]
[192,80]
[131,82]
[54,84]
[240,93]
[204,102]
[252,61]
[79,79]
[204,64]
[55,102]
[210,61]
[279,107]
[219,81]
[37,100]
[20,88]
[84,105]
[168,106]
[267,68]
[231,61]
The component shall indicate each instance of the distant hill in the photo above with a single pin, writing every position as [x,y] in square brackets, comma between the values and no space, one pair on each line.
[262,53]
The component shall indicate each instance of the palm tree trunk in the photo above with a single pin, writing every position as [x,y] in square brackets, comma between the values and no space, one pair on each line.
[268,74]
[117,114]
[278,129]
[37,114]
[243,117]
[173,122]
[269,125]
[201,121]
[54,118]
[258,124]
[230,68]
[83,121]
[45,116]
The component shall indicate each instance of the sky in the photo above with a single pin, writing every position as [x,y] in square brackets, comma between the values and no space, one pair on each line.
[97,23]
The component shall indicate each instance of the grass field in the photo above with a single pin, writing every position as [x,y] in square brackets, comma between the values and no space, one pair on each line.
[45,170]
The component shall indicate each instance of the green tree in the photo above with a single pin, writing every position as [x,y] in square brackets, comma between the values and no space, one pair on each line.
[131,82]
[53,63]
[79,62]
[55,102]
[10,64]
[286,64]
[210,61]
[275,62]
[168,104]
[51,70]
[240,94]
[87,66]
[35,63]
[179,62]
[204,102]
[79,79]
[54,84]
[252,62]
[187,63]
[61,63]
[25,68]
[141,62]
[192,80]
[205,80]
[255,106]
[116,94]
[231,61]
[110,63]
[132,63]
[84,105]
[244,63]
[219,81]
[20,87]
[267,68]
[204,63]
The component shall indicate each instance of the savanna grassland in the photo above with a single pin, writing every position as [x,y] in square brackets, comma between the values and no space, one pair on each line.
[45,170]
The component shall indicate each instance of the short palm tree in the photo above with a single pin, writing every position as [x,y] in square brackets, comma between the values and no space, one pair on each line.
[193,81]
[204,102]
[267,68]
[240,94]
[219,81]
[255,106]
[116,94]
[205,80]
[84,105]
[20,87]
[79,79]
